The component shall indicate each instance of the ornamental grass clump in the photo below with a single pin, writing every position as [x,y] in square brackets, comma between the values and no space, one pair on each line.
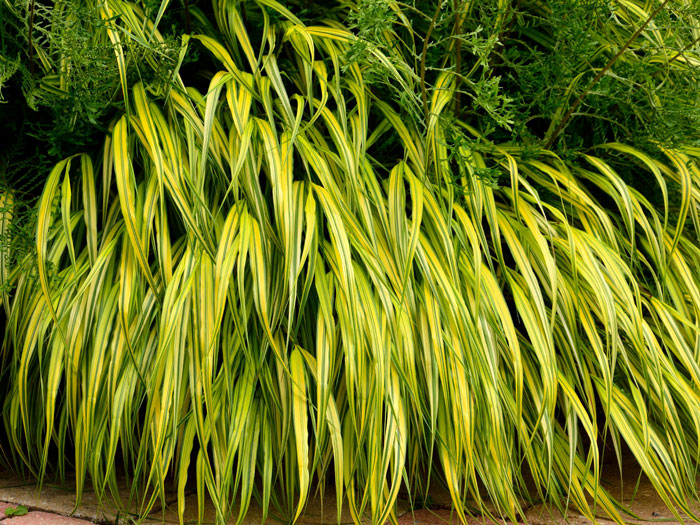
[350,252]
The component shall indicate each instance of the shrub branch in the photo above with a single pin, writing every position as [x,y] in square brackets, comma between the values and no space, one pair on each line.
[565,119]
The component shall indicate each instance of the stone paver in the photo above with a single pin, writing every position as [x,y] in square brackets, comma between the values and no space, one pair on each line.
[54,499]
[58,501]
[4,506]
[43,518]
[428,517]
[54,504]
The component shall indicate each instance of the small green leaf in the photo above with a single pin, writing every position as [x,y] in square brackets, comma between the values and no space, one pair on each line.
[19,510]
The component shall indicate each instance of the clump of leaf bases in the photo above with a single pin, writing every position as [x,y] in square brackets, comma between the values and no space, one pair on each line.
[376,246]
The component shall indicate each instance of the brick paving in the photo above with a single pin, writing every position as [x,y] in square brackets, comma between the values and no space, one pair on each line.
[4,506]
[55,505]
[428,517]
[38,518]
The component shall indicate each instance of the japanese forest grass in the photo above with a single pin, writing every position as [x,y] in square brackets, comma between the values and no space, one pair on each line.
[240,296]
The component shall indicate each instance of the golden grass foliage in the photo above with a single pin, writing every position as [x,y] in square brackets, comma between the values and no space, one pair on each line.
[239,298]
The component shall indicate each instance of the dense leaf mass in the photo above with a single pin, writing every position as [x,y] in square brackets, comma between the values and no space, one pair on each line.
[256,248]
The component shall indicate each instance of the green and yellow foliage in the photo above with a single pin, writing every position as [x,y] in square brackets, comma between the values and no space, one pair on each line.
[371,249]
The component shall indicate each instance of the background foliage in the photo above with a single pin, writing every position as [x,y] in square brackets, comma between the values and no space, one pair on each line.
[262,249]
